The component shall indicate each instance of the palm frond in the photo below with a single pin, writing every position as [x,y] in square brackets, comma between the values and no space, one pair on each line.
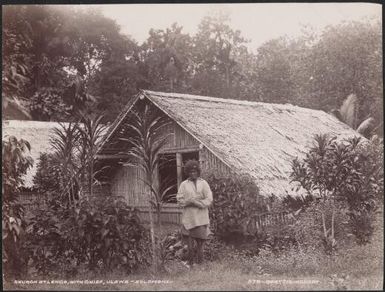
[366,127]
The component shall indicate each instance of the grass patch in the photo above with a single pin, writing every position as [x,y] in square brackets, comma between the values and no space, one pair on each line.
[291,271]
[355,268]
[221,275]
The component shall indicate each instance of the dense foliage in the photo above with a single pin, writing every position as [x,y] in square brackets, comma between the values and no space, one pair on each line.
[16,161]
[99,234]
[237,205]
[73,57]
[308,231]
[53,55]
[236,202]
[343,183]
[48,171]
[346,176]
[78,230]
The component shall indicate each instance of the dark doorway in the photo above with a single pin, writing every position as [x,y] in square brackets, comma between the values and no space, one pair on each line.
[168,176]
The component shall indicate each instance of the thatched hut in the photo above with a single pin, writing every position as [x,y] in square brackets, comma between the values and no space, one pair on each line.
[255,138]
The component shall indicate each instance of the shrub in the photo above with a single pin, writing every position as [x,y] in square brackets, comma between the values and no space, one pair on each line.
[296,203]
[236,203]
[367,198]
[348,174]
[361,223]
[47,175]
[236,200]
[308,228]
[169,248]
[101,233]
[275,239]
[16,161]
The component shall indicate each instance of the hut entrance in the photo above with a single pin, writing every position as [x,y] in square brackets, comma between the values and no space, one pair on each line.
[168,176]
[172,175]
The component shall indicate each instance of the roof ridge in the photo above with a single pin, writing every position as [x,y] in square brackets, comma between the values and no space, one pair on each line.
[198,97]
[228,100]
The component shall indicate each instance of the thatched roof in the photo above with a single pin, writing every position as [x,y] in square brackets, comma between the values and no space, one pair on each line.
[37,134]
[256,138]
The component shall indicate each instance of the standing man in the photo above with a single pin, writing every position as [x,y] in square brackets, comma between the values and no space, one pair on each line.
[195,196]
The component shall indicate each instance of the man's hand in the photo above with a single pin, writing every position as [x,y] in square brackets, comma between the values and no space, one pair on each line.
[188,202]
[198,204]
[194,202]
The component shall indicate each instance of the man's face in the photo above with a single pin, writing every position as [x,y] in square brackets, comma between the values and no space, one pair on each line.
[193,174]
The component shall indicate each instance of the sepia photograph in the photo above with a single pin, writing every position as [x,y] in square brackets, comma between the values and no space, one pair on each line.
[192,146]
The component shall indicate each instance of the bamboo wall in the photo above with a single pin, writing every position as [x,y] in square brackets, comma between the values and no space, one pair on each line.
[127,183]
